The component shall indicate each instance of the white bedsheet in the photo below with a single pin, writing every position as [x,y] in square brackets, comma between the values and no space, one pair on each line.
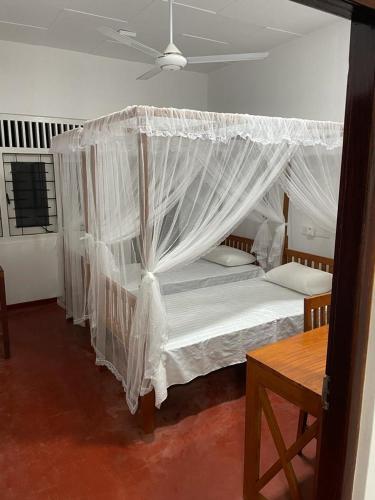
[199,274]
[214,327]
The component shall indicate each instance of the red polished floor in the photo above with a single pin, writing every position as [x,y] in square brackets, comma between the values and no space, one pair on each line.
[66,434]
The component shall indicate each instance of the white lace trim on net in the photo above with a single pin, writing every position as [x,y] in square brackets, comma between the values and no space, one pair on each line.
[217,127]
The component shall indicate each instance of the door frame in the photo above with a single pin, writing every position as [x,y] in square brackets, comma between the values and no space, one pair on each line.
[354,258]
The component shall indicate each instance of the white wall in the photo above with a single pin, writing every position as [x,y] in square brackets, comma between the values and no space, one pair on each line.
[304,78]
[43,81]
[31,266]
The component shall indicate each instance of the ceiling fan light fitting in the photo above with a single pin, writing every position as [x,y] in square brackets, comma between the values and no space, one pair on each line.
[171,62]
[170,67]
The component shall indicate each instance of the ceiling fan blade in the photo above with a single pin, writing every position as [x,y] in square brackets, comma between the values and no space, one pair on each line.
[149,74]
[252,56]
[130,42]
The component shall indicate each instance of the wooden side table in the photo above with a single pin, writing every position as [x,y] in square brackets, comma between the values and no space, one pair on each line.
[294,369]
[4,332]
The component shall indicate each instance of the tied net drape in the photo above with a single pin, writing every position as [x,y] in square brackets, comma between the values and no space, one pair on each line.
[163,187]
[269,240]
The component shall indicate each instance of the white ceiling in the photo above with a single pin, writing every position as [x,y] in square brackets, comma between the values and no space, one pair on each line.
[244,25]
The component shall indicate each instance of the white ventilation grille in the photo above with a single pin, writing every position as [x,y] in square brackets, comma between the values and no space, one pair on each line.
[30,132]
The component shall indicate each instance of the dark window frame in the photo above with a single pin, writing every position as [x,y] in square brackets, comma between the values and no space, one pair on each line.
[30,194]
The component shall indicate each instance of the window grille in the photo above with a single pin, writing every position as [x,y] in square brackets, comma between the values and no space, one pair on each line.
[30,192]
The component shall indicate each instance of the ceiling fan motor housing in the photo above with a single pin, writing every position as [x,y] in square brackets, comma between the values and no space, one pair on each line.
[172,59]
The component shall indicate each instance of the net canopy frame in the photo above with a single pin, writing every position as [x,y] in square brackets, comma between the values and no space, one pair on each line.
[147,189]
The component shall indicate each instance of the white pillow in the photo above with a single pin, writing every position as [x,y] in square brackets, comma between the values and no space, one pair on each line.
[230,257]
[301,278]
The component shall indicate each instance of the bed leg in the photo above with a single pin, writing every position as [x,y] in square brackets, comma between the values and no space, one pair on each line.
[146,412]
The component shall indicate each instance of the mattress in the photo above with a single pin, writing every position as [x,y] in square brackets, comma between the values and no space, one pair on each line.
[215,327]
[199,274]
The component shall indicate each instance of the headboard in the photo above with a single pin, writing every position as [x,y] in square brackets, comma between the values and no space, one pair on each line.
[239,242]
[308,259]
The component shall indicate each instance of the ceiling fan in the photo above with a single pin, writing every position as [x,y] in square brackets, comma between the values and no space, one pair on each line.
[172,59]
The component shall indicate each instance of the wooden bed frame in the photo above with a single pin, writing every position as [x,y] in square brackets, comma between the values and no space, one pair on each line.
[239,242]
[308,259]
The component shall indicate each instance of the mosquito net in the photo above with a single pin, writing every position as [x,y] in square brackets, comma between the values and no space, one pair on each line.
[146,190]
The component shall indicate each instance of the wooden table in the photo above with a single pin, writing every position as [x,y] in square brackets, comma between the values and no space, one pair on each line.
[294,369]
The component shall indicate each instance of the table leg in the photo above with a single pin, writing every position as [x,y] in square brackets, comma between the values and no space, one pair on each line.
[252,434]
[318,446]
[280,446]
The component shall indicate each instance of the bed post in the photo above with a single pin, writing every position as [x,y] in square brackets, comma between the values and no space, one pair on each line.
[88,178]
[146,412]
[144,244]
[286,216]
[146,409]
[85,203]
[84,191]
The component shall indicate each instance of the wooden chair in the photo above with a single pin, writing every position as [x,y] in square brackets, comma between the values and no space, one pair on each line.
[4,334]
[316,313]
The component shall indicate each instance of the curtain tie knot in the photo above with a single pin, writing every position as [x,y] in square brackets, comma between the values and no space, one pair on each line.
[148,276]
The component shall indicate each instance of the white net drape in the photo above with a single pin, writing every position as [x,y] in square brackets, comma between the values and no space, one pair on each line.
[160,189]
[72,231]
[269,240]
[312,183]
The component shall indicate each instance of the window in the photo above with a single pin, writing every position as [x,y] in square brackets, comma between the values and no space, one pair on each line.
[30,191]
[30,194]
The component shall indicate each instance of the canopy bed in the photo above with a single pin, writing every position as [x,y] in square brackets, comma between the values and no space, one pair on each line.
[156,190]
